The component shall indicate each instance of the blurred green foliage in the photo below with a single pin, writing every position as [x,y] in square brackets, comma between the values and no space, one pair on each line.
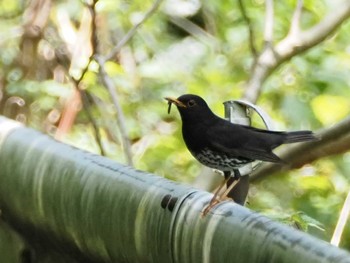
[209,56]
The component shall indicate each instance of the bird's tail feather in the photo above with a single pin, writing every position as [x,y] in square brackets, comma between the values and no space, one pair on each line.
[300,136]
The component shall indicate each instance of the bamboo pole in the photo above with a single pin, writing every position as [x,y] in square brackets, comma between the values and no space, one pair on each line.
[74,206]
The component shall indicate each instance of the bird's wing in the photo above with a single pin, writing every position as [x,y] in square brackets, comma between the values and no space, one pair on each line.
[238,141]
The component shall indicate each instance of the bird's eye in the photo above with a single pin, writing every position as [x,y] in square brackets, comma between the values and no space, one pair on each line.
[191,103]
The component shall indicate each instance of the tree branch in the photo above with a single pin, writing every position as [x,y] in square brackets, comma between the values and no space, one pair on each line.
[295,24]
[335,140]
[268,32]
[291,45]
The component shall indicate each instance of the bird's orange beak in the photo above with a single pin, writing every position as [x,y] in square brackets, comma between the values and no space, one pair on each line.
[175,101]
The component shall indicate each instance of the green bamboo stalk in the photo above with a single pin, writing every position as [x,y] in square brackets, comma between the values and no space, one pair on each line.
[74,206]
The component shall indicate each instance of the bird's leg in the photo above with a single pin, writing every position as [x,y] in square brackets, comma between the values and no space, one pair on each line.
[227,175]
[236,178]
[217,198]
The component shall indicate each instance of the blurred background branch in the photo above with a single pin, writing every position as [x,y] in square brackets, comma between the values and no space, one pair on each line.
[291,45]
[108,83]
[295,24]
[269,24]
[252,38]
[133,30]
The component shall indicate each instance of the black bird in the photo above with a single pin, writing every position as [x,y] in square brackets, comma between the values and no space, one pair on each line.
[222,145]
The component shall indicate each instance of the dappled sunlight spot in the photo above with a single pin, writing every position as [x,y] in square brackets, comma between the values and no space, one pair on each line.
[114,69]
[329,109]
[314,178]
[320,184]
[308,170]
[181,8]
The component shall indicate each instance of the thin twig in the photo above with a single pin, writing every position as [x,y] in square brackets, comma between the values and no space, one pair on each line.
[132,31]
[77,82]
[194,30]
[247,20]
[86,104]
[295,24]
[93,41]
[108,83]
[268,32]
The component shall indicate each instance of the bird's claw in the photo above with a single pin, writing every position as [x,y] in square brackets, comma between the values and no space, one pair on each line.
[213,202]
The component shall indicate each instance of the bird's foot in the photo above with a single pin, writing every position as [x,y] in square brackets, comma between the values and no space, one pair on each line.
[217,198]
[209,207]
[213,202]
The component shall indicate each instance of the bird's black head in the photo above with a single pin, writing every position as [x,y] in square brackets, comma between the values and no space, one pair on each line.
[190,106]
